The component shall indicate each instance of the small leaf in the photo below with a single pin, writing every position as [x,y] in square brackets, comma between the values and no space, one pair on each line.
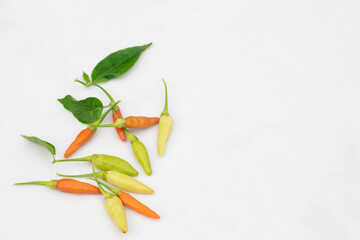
[86,77]
[86,111]
[43,143]
[117,63]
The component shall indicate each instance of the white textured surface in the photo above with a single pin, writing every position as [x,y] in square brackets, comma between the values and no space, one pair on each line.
[265,97]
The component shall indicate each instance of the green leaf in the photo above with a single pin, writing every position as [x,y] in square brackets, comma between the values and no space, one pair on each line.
[86,77]
[86,111]
[117,63]
[43,143]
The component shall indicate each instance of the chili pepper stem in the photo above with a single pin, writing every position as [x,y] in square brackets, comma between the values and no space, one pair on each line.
[165,111]
[120,123]
[106,194]
[51,184]
[114,112]
[113,190]
[97,122]
[101,174]
[84,159]
[132,138]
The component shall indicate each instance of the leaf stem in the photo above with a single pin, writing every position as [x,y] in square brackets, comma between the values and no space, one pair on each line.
[109,96]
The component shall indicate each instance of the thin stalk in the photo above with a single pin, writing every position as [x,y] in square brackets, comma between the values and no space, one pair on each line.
[84,159]
[165,111]
[120,123]
[77,80]
[97,122]
[81,175]
[50,184]
[113,190]
[106,194]
[115,114]
[109,96]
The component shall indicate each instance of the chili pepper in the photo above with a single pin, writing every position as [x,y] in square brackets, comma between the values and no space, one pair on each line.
[133,122]
[140,122]
[131,202]
[165,125]
[119,131]
[86,134]
[106,163]
[119,180]
[140,152]
[113,206]
[66,185]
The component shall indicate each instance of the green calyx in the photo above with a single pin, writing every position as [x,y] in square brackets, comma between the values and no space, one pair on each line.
[51,184]
[132,138]
[120,123]
[165,111]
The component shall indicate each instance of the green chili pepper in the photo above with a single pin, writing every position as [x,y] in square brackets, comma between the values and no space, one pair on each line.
[119,180]
[165,125]
[139,151]
[106,163]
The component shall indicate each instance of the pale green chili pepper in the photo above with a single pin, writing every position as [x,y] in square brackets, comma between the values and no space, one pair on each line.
[140,152]
[113,206]
[165,125]
[106,163]
[119,180]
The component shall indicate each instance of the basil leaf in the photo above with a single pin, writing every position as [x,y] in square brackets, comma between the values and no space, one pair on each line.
[117,63]
[43,143]
[86,111]
[86,77]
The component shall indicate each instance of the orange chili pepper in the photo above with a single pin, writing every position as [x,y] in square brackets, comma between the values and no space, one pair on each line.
[87,133]
[134,204]
[66,185]
[119,131]
[81,138]
[140,122]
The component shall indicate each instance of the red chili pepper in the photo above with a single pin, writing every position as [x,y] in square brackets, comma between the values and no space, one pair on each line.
[66,185]
[119,131]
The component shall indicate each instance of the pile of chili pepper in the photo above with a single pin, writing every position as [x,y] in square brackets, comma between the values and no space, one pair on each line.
[112,169]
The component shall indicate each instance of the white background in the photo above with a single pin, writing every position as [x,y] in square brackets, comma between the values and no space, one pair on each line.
[265,97]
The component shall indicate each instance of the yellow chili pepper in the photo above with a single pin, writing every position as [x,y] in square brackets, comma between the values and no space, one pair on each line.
[115,209]
[113,206]
[165,125]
